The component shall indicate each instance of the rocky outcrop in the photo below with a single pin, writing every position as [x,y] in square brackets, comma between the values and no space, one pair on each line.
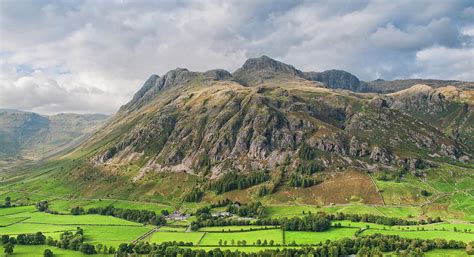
[337,79]
[450,151]
[412,163]
[358,149]
[382,155]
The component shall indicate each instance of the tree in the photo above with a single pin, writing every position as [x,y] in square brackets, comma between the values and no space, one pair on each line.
[42,205]
[8,248]
[8,201]
[77,210]
[5,239]
[48,253]
[87,249]
[425,193]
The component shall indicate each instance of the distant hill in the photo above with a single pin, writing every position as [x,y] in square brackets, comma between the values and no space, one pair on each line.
[31,136]
[386,86]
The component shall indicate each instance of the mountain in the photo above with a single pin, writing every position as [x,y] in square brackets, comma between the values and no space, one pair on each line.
[31,136]
[188,130]
[337,79]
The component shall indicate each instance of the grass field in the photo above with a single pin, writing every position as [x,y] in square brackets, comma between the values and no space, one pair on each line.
[251,237]
[190,237]
[234,228]
[106,230]
[64,206]
[173,228]
[303,237]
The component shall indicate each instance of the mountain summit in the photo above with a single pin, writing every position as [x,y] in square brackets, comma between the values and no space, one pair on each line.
[255,70]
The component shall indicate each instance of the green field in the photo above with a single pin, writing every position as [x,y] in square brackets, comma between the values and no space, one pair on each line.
[303,237]
[251,237]
[64,206]
[187,237]
[234,228]
[106,230]
[173,228]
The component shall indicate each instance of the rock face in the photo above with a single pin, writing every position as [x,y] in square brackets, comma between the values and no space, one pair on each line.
[267,112]
[337,79]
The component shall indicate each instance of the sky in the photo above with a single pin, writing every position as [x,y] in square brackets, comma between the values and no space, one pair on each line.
[92,56]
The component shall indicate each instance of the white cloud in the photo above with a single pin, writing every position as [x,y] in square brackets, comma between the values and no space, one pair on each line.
[439,62]
[91,56]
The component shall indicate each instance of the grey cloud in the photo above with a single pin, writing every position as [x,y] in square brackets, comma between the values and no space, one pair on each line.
[96,54]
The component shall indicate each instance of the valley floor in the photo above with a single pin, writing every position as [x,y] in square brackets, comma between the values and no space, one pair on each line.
[111,231]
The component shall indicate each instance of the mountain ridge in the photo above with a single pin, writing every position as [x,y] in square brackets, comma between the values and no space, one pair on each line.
[192,129]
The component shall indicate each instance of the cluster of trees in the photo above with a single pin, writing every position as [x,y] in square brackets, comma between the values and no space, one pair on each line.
[389,221]
[217,222]
[69,240]
[297,180]
[77,210]
[42,205]
[221,203]
[163,249]
[254,209]
[31,239]
[141,216]
[306,152]
[263,191]
[195,195]
[275,181]
[232,181]
[306,223]
[309,168]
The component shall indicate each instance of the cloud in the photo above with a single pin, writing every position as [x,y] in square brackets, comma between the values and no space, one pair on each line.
[91,56]
[438,32]
[441,61]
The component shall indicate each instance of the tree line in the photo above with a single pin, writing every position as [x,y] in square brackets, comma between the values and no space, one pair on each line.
[373,245]
[233,180]
[383,220]
[306,223]
[297,180]
[140,216]
[195,195]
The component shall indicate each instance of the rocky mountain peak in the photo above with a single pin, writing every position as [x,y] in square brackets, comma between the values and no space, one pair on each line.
[268,64]
[255,70]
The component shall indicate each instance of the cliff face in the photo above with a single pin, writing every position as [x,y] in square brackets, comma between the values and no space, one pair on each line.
[268,112]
